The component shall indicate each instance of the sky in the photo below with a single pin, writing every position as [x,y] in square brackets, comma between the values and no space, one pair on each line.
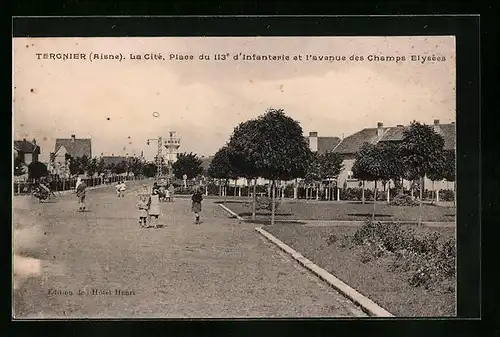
[204,100]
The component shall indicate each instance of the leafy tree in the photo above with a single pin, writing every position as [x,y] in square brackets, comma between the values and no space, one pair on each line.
[422,152]
[331,165]
[276,146]
[19,169]
[37,170]
[241,159]
[395,165]
[135,166]
[314,170]
[75,165]
[121,167]
[188,164]
[101,166]
[149,170]
[221,167]
[92,167]
[370,165]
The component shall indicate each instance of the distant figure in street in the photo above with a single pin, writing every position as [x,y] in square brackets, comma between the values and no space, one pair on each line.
[154,206]
[120,189]
[81,188]
[142,205]
[197,198]
[171,191]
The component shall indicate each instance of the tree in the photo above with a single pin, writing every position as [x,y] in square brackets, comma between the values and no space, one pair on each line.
[331,164]
[239,156]
[444,168]
[19,169]
[370,165]
[276,145]
[135,166]
[149,170]
[92,167]
[422,151]
[188,164]
[314,170]
[37,170]
[121,167]
[101,166]
[221,167]
[394,163]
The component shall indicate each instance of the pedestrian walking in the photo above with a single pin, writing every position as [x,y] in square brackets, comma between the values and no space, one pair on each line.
[80,189]
[171,191]
[142,205]
[196,199]
[154,206]
[120,189]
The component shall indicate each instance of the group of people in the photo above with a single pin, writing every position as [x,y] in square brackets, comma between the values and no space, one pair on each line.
[148,204]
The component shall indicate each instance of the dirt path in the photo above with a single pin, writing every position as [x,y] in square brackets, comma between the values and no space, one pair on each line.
[101,264]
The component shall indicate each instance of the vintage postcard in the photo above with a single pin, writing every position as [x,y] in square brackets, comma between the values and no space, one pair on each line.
[234,177]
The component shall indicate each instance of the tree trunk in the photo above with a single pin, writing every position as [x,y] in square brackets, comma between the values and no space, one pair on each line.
[374,200]
[317,191]
[273,208]
[433,192]
[225,191]
[420,202]
[363,192]
[388,191]
[254,198]
[402,186]
[295,187]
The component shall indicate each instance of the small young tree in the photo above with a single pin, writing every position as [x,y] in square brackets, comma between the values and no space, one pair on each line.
[422,150]
[188,164]
[370,165]
[221,168]
[394,164]
[330,167]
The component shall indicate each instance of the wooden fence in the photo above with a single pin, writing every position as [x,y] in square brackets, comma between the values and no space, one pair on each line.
[60,185]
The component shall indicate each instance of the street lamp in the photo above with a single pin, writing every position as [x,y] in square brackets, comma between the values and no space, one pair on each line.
[159,155]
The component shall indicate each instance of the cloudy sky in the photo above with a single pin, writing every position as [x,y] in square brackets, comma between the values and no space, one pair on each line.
[203,101]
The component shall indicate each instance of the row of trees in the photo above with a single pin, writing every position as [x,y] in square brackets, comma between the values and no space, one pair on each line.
[273,147]
[420,154]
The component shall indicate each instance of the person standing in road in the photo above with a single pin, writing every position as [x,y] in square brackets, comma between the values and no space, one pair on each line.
[196,199]
[154,206]
[81,188]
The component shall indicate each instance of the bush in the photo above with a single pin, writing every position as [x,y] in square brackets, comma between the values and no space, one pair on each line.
[356,194]
[264,202]
[403,200]
[428,258]
[446,195]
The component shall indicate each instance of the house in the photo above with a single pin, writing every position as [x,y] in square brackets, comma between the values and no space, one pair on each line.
[26,151]
[73,146]
[350,145]
[322,144]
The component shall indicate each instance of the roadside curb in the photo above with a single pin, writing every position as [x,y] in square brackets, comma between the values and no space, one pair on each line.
[367,305]
[231,212]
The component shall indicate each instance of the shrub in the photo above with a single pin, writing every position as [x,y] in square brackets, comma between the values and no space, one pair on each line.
[428,258]
[264,202]
[446,195]
[403,200]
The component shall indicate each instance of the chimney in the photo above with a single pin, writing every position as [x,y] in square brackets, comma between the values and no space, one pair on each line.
[313,141]
[24,139]
[73,138]
[380,129]
[436,125]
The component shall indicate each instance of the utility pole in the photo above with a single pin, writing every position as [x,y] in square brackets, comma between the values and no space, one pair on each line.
[159,155]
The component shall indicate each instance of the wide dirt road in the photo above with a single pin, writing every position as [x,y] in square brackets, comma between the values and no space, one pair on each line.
[102,264]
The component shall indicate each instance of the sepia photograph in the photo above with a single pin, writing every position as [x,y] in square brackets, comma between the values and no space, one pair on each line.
[234,177]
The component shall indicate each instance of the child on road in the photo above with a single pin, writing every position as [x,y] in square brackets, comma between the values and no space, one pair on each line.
[120,189]
[142,205]
[197,198]
[154,206]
